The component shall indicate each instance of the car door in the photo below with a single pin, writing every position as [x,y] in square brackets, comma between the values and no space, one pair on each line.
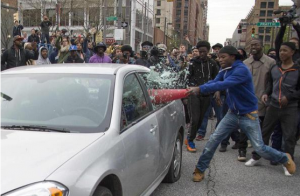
[140,137]
[168,126]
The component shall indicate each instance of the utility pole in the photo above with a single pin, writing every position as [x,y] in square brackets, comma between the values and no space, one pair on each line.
[165,30]
[104,20]
[119,14]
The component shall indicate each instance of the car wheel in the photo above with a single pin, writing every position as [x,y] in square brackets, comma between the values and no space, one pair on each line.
[174,172]
[102,191]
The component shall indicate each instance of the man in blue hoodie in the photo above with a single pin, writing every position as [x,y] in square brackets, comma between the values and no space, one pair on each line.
[236,79]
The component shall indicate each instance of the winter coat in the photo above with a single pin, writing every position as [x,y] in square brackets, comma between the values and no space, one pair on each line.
[77,59]
[284,83]
[34,38]
[17,30]
[12,58]
[45,27]
[237,81]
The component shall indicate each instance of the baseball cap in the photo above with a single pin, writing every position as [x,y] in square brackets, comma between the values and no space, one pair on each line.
[18,37]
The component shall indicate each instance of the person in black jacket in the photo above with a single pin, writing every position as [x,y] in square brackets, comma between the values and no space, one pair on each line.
[17,29]
[201,70]
[74,56]
[15,56]
[45,27]
[33,37]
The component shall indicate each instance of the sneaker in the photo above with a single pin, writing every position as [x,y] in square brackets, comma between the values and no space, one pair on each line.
[290,164]
[198,176]
[242,156]
[251,162]
[191,146]
[249,144]
[223,148]
[199,138]
[235,146]
[286,172]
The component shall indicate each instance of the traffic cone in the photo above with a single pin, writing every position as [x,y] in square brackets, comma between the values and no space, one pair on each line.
[159,96]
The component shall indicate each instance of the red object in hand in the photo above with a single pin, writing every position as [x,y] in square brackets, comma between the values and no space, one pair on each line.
[159,96]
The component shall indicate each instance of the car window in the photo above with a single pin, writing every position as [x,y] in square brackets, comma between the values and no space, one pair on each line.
[77,102]
[134,104]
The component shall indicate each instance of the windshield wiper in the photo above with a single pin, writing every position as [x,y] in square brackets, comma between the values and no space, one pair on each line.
[6,97]
[35,128]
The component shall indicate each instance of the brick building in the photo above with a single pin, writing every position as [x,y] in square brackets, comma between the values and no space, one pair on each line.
[262,11]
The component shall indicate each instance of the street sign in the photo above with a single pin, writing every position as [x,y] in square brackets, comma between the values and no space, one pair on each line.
[119,34]
[268,24]
[124,24]
[110,40]
[111,18]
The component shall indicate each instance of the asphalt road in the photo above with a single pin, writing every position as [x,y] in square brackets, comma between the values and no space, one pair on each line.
[227,176]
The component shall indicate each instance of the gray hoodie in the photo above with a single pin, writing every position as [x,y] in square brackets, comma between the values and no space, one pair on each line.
[41,60]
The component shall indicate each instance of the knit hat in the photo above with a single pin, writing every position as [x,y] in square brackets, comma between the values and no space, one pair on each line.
[231,51]
[218,45]
[147,43]
[291,45]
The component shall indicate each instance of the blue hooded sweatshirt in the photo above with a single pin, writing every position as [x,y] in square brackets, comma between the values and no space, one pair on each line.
[237,81]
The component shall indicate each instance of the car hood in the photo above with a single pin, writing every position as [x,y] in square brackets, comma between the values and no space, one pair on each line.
[28,156]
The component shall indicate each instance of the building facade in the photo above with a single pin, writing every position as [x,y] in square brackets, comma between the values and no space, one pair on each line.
[80,16]
[9,8]
[189,20]
[262,11]
[163,16]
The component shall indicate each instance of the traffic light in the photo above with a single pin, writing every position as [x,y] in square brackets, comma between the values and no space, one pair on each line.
[16,16]
[239,29]
[253,32]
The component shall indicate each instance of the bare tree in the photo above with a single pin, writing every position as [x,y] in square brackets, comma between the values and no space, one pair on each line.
[6,27]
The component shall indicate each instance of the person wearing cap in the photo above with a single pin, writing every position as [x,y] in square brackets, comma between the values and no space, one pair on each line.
[74,56]
[236,79]
[201,71]
[260,66]
[216,48]
[146,46]
[99,54]
[283,90]
[15,56]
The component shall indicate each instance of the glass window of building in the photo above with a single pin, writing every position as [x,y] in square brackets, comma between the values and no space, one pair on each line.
[271,5]
[158,3]
[267,38]
[262,13]
[263,5]
[261,29]
[268,29]
[270,13]
[157,20]
[158,12]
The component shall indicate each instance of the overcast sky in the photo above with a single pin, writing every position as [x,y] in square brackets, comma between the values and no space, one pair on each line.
[224,16]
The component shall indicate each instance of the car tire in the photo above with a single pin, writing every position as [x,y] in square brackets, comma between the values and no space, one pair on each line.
[102,191]
[174,172]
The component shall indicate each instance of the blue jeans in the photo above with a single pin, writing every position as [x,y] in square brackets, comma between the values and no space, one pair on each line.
[45,36]
[219,114]
[250,127]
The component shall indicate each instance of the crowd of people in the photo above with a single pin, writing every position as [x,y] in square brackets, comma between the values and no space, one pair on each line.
[254,96]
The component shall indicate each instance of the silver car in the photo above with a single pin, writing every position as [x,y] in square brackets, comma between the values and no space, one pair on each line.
[85,130]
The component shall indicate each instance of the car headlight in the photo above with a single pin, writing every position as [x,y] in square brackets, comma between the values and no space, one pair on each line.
[40,189]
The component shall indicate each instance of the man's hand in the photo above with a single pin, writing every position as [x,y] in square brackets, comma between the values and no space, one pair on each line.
[264,99]
[217,97]
[193,90]
[284,101]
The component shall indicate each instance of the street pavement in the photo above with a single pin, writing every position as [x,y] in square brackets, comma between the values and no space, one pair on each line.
[227,176]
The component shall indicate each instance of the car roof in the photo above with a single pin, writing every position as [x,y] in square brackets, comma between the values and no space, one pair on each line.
[82,68]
